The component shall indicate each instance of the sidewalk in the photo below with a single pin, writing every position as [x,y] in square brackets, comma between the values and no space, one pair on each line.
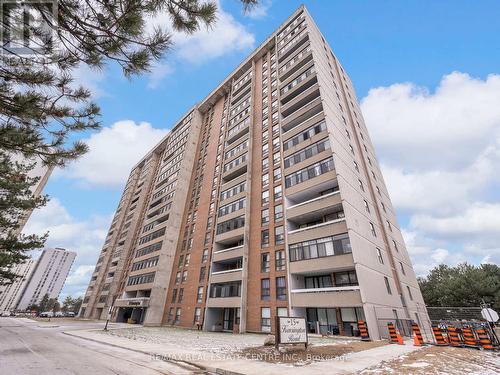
[230,363]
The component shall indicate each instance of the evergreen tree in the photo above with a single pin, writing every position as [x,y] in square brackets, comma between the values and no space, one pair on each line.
[41,108]
[44,303]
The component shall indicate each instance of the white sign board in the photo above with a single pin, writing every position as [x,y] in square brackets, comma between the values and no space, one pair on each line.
[489,314]
[292,330]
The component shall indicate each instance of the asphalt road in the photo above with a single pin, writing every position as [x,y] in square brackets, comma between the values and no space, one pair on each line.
[31,347]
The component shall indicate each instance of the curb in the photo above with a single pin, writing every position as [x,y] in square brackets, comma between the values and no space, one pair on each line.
[184,364]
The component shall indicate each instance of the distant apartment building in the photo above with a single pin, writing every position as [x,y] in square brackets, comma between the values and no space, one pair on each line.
[10,293]
[47,277]
[266,199]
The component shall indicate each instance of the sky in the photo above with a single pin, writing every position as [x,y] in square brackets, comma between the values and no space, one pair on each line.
[427,74]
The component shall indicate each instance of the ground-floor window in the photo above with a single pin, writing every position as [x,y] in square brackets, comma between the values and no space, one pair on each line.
[265,319]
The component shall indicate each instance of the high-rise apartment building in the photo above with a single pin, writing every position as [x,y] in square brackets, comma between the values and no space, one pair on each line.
[10,293]
[265,199]
[47,277]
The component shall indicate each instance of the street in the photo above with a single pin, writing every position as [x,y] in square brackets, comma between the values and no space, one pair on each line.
[33,347]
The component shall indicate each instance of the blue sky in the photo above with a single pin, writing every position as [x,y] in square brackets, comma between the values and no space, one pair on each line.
[432,68]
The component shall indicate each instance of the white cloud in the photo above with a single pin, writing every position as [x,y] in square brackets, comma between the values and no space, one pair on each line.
[440,155]
[159,71]
[113,151]
[85,237]
[455,123]
[227,36]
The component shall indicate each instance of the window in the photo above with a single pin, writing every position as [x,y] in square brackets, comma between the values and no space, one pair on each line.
[265,197]
[265,289]
[184,276]
[321,247]
[309,172]
[181,295]
[361,185]
[199,296]
[282,311]
[197,315]
[389,225]
[307,153]
[144,278]
[277,174]
[177,315]
[379,256]
[356,166]
[367,207]
[265,320]
[280,288]
[278,192]
[232,289]
[348,278]
[395,245]
[265,262]
[280,260]
[264,238]
[320,281]
[203,271]
[387,285]
[265,216]
[372,229]
[278,212]
[402,268]
[174,295]
[232,207]
[279,235]
[204,256]
[188,258]
[265,180]
[265,164]
[276,157]
[230,225]
[307,134]
[178,277]
[409,293]
[265,150]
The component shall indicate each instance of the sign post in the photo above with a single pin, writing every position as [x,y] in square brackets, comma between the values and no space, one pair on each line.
[290,330]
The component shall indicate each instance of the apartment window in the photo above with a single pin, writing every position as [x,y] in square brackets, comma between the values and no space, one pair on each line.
[264,238]
[199,296]
[348,278]
[197,315]
[310,172]
[356,166]
[321,247]
[265,164]
[409,293]
[351,149]
[265,197]
[232,207]
[389,225]
[378,191]
[307,134]
[280,260]
[174,295]
[265,261]
[387,285]
[277,174]
[144,278]
[265,216]
[282,311]
[232,289]
[395,245]
[379,256]
[402,268]
[181,295]
[265,320]
[276,142]
[276,158]
[307,153]
[279,235]
[280,288]
[372,229]
[230,225]
[265,180]
[204,256]
[178,277]
[383,206]
[278,212]
[278,192]
[177,315]
[184,276]
[170,314]
[265,135]
[265,289]
[203,271]
[361,185]
[367,207]
[265,150]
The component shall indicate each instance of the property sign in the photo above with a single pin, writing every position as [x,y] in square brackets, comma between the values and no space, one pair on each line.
[292,330]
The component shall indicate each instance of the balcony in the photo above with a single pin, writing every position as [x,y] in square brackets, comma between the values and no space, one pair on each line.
[224,302]
[310,188]
[324,264]
[329,228]
[226,276]
[225,254]
[132,302]
[302,114]
[347,296]
[237,131]
[319,204]
[236,170]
